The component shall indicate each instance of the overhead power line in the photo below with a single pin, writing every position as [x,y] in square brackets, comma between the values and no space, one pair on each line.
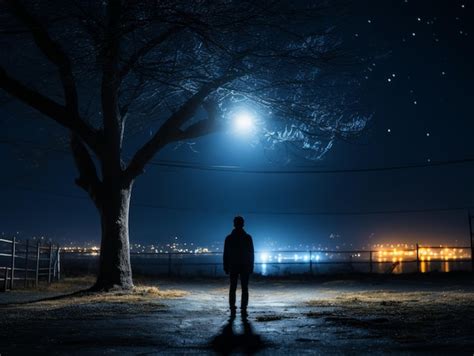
[260,212]
[234,169]
[238,169]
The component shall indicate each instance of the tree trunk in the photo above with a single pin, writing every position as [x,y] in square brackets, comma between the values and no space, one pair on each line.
[114,267]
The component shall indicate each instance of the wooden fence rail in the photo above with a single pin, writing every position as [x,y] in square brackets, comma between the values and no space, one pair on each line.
[26,263]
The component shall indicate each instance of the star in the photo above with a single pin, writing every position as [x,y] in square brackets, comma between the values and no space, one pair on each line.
[389,130]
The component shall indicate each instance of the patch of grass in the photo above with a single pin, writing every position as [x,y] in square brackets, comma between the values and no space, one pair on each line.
[393,298]
[68,284]
[144,301]
[79,303]
[400,314]
[139,294]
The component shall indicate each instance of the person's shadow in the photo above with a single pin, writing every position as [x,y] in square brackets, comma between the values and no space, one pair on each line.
[228,341]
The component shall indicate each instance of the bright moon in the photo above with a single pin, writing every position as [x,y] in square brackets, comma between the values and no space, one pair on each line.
[244,122]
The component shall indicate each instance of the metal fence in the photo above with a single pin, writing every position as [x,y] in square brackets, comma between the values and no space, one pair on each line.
[418,259]
[27,263]
[311,262]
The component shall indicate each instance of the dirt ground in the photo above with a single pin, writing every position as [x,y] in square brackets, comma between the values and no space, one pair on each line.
[429,314]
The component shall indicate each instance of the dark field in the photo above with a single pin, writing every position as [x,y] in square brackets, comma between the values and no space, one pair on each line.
[430,314]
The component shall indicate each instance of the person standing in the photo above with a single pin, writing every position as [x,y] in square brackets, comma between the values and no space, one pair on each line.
[238,261]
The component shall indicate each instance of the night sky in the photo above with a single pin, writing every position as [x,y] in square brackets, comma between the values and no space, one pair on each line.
[419,86]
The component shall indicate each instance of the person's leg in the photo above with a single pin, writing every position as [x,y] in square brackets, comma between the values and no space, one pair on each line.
[244,282]
[233,287]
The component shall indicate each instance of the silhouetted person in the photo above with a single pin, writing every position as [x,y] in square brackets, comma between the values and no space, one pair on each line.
[238,261]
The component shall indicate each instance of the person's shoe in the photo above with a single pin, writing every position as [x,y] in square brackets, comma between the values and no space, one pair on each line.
[243,312]
[233,312]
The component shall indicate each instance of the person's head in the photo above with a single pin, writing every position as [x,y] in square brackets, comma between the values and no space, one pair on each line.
[238,222]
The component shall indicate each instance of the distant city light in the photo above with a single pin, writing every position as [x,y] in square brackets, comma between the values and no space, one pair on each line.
[378,253]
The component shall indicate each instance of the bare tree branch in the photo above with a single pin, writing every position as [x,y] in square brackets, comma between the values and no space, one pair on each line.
[170,130]
[53,51]
[88,178]
[69,115]
[144,50]
[48,107]
[203,127]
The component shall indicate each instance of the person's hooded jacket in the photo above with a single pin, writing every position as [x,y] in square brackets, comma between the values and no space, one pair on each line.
[238,252]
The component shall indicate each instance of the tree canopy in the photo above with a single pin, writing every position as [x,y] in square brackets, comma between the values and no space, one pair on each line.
[182,70]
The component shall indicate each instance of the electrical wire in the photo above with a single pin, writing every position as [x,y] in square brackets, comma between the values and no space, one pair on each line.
[238,169]
[259,212]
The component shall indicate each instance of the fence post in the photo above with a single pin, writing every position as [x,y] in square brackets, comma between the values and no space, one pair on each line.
[26,261]
[12,274]
[470,239]
[371,262]
[58,263]
[5,284]
[169,264]
[50,261]
[311,262]
[417,257]
[38,251]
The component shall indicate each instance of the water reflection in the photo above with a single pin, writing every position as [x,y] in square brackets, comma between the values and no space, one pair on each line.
[444,266]
[424,266]
[281,263]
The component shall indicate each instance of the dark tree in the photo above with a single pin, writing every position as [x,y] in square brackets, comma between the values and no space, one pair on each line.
[105,70]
